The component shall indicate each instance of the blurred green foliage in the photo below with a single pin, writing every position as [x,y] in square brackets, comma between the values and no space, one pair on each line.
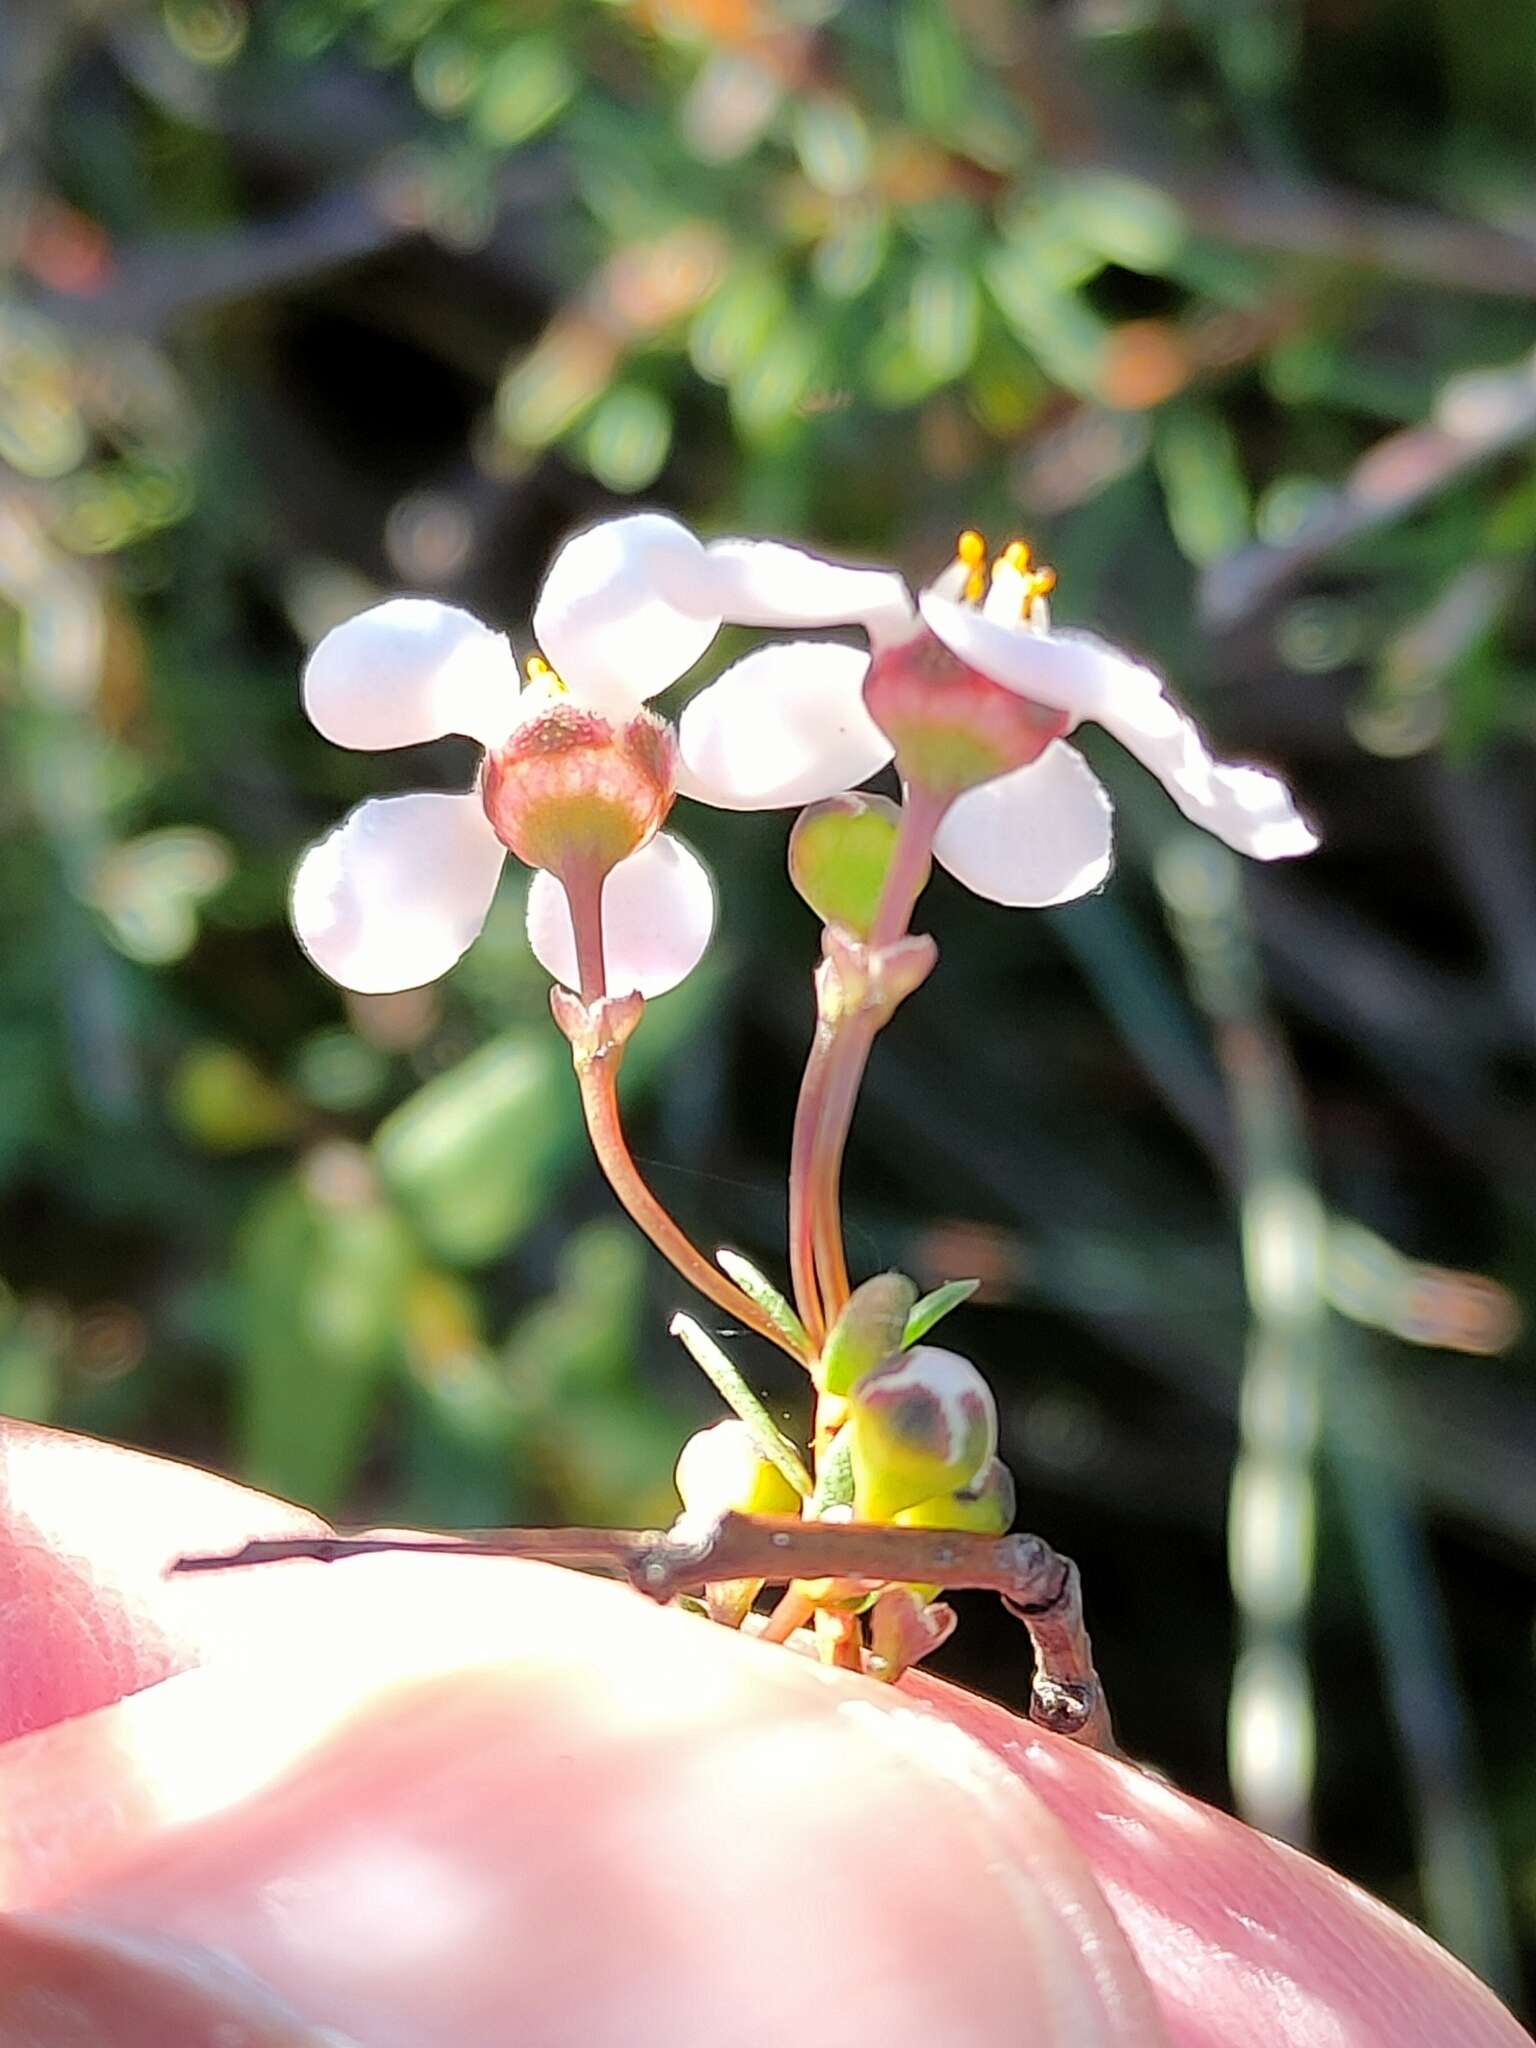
[1231,308]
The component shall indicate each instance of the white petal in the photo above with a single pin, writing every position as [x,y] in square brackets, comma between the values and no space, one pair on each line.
[625,610]
[766,583]
[398,891]
[1251,809]
[1068,671]
[785,725]
[1042,835]
[658,918]
[411,670]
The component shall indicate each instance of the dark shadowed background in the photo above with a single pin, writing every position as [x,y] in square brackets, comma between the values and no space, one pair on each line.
[1229,305]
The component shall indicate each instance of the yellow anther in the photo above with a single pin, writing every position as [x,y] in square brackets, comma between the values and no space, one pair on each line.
[1018,555]
[971,551]
[538,670]
[1038,584]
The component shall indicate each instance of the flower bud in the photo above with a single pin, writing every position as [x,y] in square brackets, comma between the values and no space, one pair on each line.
[839,852]
[721,1469]
[869,1329]
[571,792]
[985,1506]
[922,1424]
[952,727]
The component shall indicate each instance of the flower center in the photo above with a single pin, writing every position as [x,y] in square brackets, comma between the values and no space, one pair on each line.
[571,790]
[952,726]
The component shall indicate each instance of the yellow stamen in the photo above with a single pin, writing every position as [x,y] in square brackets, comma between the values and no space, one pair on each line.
[1018,555]
[971,549]
[538,670]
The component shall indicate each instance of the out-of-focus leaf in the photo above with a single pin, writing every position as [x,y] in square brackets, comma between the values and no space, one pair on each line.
[1063,333]
[1123,219]
[736,322]
[848,259]
[832,143]
[765,395]
[149,890]
[582,1338]
[223,1101]
[627,438]
[944,315]
[322,1265]
[475,1156]
[1203,483]
[933,65]
[30,1361]
[523,90]
[545,392]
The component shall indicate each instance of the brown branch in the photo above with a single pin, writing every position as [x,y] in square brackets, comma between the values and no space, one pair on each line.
[1035,1583]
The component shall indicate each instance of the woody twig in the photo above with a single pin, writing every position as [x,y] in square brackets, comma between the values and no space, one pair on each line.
[1034,1581]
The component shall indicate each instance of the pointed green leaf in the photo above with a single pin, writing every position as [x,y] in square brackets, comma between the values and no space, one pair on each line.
[739,1397]
[758,1288]
[834,1480]
[934,1307]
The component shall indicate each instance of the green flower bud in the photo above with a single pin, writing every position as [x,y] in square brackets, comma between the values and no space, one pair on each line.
[838,855]
[922,1424]
[869,1329]
[986,1506]
[721,1469]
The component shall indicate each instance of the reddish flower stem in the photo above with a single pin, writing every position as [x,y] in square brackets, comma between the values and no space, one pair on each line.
[802,1216]
[597,1073]
[583,888]
[598,1079]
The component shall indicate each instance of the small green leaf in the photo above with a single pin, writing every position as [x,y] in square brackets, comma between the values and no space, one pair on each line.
[868,1331]
[758,1288]
[739,1397]
[834,1480]
[934,1307]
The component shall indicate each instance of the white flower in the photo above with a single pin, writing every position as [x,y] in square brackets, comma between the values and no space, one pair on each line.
[396,893]
[1041,833]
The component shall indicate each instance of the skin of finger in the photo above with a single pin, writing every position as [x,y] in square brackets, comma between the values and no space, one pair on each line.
[505,1788]
[86,1530]
[72,1984]
[1243,1938]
